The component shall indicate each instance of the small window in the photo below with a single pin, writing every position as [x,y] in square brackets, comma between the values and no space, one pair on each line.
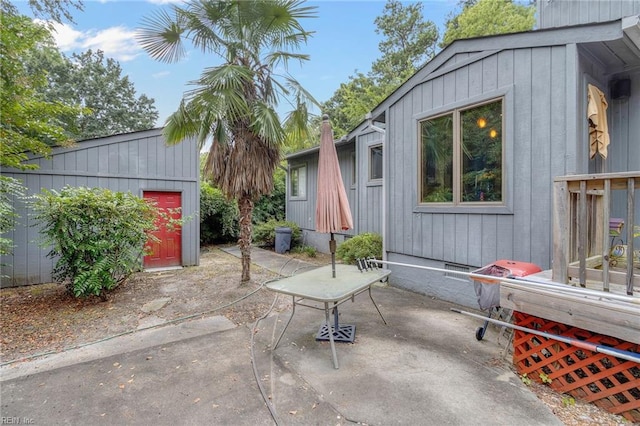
[354,175]
[461,156]
[298,182]
[375,162]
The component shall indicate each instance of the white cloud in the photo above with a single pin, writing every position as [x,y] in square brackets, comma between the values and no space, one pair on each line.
[161,74]
[116,42]
[165,1]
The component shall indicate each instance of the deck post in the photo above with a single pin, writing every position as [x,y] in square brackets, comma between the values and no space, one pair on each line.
[560,232]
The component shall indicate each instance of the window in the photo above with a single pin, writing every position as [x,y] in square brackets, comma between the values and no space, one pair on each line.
[354,170]
[461,156]
[375,162]
[298,182]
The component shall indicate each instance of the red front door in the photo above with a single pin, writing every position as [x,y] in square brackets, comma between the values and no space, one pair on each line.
[167,250]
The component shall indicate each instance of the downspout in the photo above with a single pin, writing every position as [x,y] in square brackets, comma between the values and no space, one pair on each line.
[385,174]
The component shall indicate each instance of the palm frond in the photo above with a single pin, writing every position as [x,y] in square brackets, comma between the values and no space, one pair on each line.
[205,20]
[296,125]
[301,94]
[180,125]
[282,58]
[266,124]
[161,36]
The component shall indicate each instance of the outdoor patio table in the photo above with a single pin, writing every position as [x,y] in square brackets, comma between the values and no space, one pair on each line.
[319,286]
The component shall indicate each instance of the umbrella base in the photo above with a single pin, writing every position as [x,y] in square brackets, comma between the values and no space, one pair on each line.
[344,333]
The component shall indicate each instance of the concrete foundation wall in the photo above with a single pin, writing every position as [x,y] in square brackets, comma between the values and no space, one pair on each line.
[320,241]
[452,289]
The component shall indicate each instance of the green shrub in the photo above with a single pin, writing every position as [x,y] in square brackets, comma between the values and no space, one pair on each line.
[9,188]
[272,206]
[218,216]
[97,235]
[360,246]
[264,234]
[306,250]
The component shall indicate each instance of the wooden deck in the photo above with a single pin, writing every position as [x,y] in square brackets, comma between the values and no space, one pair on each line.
[589,287]
[582,236]
[610,313]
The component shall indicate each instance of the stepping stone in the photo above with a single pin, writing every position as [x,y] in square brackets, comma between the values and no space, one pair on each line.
[155,305]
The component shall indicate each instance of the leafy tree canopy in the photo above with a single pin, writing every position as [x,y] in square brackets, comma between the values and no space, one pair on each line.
[408,42]
[95,83]
[489,17]
[29,122]
[55,10]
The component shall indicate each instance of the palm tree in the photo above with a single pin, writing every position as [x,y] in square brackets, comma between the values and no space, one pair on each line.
[234,104]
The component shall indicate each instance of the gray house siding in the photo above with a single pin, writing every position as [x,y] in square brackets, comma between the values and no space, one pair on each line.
[369,211]
[542,78]
[560,13]
[134,162]
[543,82]
[535,150]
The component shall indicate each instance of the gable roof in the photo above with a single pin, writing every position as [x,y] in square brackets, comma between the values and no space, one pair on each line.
[616,44]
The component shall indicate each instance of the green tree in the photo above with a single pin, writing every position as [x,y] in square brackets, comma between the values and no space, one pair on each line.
[95,83]
[218,216]
[352,100]
[489,17]
[272,205]
[55,10]
[9,187]
[234,104]
[408,42]
[29,122]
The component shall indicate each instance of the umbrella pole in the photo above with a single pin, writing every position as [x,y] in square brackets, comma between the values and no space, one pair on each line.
[332,249]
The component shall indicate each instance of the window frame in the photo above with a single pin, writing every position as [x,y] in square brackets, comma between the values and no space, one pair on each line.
[290,183]
[508,110]
[370,149]
[354,170]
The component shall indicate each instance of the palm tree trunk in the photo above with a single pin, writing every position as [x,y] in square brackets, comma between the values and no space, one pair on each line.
[245,205]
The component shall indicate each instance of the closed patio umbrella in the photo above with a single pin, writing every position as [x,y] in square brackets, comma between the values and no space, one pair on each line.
[332,205]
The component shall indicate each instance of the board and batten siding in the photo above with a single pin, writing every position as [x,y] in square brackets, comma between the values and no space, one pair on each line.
[533,84]
[370,203]
[302,210]
[560,13]
[133,162]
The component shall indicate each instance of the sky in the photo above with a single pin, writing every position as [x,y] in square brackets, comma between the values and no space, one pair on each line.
[344,43]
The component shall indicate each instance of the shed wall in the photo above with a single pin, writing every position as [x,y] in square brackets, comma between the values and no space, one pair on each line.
[132,162]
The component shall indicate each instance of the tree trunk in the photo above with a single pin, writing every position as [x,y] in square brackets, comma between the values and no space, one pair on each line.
[245,205]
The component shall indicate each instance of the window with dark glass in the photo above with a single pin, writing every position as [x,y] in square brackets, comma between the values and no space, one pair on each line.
[461,156]
[375,162]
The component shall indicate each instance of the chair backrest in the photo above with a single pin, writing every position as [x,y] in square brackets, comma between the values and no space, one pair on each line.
[615,226]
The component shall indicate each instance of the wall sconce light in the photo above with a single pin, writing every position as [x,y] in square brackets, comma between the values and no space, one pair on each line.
[481,122]
[493,133]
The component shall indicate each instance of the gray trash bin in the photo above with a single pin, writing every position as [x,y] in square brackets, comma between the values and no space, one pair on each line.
[283,240]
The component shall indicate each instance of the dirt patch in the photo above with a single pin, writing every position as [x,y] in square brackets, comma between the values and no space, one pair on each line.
[45,318]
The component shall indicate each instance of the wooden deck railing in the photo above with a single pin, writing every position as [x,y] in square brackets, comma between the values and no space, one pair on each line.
[582,230]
